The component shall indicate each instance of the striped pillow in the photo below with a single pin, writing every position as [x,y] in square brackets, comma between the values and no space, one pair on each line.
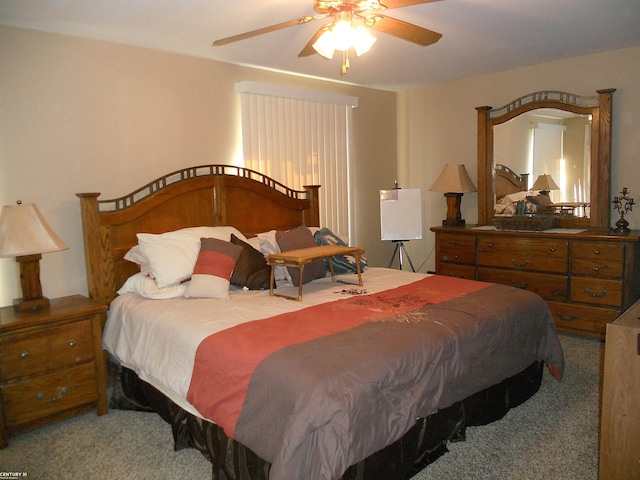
[213,269]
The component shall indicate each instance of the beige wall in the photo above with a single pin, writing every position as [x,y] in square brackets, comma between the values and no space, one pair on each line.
[437,125]
[80,115]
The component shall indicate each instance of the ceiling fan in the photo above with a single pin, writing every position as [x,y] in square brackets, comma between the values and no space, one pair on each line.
[349,28]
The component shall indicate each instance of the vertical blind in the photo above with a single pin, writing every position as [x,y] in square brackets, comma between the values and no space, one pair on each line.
[301,137]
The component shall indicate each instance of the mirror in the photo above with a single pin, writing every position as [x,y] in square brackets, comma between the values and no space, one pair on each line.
[559,137]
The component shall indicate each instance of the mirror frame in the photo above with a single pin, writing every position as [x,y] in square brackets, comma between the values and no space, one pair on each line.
[599,107]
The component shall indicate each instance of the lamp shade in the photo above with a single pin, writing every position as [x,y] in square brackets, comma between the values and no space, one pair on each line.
[454,179]
[545,182]
[23,231]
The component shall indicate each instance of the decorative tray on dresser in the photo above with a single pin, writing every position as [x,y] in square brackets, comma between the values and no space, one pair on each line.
[51,364]
[587,278]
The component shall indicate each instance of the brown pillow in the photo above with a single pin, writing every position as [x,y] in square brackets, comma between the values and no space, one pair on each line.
[252,270]
[301,237]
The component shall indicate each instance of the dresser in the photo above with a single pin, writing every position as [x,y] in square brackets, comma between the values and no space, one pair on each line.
[588,279]
[51,364]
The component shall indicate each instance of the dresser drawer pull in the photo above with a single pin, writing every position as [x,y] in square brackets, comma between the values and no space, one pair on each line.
[490,245]
[72,343]
[596,269]
[564,317]
[525,285]
[24,354]
[596,252]
[520,265]
[63,392]
[552,249]
[455,242]
[600,294]
[455,257]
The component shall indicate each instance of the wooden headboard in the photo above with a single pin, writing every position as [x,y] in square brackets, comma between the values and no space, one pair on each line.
[208,195]
[507,181]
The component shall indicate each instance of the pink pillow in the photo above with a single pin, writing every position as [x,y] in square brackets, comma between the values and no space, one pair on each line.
[213,269]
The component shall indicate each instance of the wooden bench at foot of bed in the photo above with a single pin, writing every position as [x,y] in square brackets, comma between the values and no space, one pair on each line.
[300,257]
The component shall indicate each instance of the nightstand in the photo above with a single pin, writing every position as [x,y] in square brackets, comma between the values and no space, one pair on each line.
[51,364]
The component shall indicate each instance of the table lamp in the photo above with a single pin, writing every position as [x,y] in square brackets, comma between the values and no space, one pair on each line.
[454,181]
[25,234]
[544,183]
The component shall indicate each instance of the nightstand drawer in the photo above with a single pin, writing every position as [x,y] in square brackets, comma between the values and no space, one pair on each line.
[38,397]
[32,352]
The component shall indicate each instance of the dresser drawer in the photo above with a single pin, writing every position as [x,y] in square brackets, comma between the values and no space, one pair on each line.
[549,287]
[582,318]
[45,395]
[535,254]
[460,271]
[32,352]
[456,248]
[602,260]
[596,291]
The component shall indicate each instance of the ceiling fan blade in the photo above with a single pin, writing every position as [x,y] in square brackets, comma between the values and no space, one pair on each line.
[404,3]
[406,31]
[272,28]
[308,48]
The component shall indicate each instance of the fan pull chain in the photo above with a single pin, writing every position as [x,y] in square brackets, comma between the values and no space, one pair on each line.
[345,61]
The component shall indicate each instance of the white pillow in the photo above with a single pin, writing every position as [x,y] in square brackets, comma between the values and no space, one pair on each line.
[148,288]
[172,255]
[269,245]
[135,255]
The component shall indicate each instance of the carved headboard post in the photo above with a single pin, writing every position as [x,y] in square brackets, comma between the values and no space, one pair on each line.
[97,238]
[312,215]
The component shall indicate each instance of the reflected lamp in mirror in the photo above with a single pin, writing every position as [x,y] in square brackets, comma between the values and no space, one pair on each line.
[454,181]
[25,234]
[545,183]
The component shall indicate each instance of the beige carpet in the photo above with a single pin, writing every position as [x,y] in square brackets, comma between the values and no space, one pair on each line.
[552,436]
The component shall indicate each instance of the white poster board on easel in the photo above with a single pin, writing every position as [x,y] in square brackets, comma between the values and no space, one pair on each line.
[401,214]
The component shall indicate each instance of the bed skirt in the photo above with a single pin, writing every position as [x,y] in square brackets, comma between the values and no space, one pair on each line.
[421,445]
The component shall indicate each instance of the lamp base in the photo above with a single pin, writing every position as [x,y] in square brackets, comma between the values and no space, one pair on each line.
[32,299]
[20,305]
[453,223]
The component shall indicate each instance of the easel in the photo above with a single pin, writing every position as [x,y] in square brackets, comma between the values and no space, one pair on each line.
[399,251]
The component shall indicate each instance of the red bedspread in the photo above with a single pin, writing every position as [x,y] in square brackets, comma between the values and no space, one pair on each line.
[317,390]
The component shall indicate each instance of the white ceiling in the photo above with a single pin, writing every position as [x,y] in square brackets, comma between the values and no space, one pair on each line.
[479,36]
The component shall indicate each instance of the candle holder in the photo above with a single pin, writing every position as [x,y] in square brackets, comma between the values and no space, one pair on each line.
[622,204]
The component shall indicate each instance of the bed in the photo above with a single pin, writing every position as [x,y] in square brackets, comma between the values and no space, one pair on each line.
[351,383]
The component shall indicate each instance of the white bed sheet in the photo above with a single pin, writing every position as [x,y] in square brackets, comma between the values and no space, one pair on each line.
[158,339]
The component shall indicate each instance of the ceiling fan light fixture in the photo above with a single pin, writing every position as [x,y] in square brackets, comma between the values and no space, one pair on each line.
[342,36]
[324,45]
[362,40]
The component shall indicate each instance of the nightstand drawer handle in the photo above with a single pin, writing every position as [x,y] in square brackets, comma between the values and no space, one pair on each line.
[63,391]
[72,343]
[596,269]
[596,251]
[526,262]
[24,354]
[595,294]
